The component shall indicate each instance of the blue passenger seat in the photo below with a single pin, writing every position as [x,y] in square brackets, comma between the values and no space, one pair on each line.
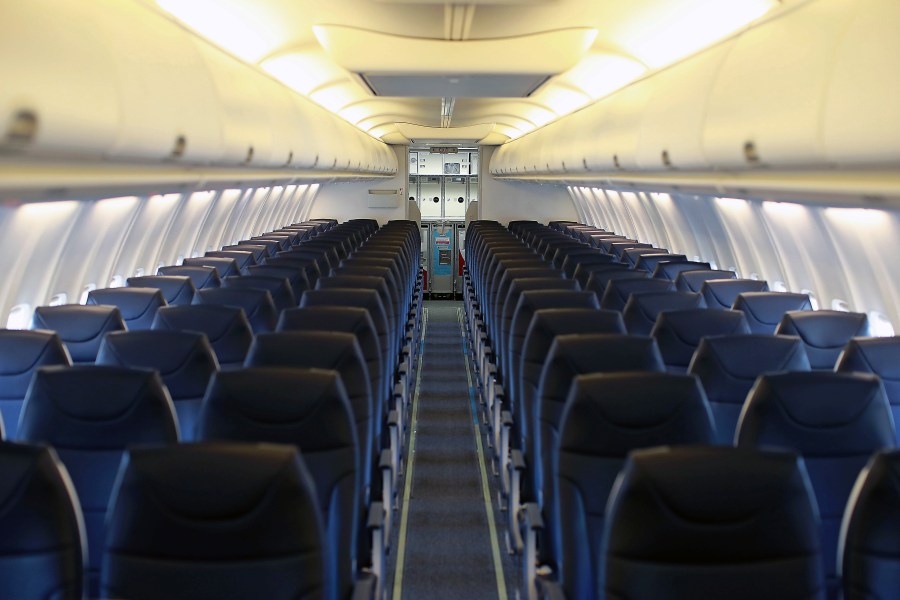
[672,269]
[202,277]
[835,421]
[90,415]
[728,366]
[880,356]
[177,290]
[824,333]
[764,310]
[618,291]
[226,327]
[225,267]
[643,308]
[213,521]
[184,359]
[679,332]
[81,328]
[137,305]
[21,354]
[42,550]
[712,522]
[278,287]
[722,293]
[257,305]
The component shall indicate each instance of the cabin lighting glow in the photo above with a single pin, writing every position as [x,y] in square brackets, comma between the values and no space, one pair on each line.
[562,100]
[732,203]
[600,74]
[43,210]
[301,72]
[117,204]
[229,25]
[334,97]
[880,325]
[697,25]
[785,209]
[857,216]
[19,317]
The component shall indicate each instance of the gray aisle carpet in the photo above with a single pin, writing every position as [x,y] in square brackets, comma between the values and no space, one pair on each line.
[448,552]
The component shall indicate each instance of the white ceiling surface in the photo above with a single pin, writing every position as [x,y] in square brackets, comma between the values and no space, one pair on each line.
[582,50]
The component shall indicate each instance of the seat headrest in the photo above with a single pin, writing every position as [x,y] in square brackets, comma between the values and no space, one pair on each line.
[368,299]
[767,308]
[555,298]
[22,351]
[62,408]
[548,323]
[690,325]
[214,502]
[824,328]
[322,349]
[874,355]
[819,413]
[242,258]
[599,278]
[721,293]
[223,266]
[334,318]
[649,262]
[352,282]
[134,303]
[214,320]
[296,276]
[235,408]
[279,287]
[619,290]
[671,269]
[184,359]
[81,328]
[523,284]
[176,289]
[713,507]
[609,414]
[728,365]
[604,352]
[691,280]
[202,277]
[249,299]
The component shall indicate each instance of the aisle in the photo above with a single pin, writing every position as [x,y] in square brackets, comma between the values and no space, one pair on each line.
[450,547]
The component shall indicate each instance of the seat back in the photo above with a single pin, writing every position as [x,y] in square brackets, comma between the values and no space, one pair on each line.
[166,500]
[870,530]
[880,356]
[176,289]
[242,258]
[728,365]
[607,416]
[679,332]
[764,310]
[692,280]
[41,550]
[296,275]
[584,271]
[835,421]
[619,290]
[648,262]
[21,354]
[711,522]
[90,414]
[824,333]
[226,327]
[137,305]
[202,277]
[225,267]
[672,269]
[257,304]
[81,328]
[721,293]
[262,405]
[643,308]
[278,287]
[185,361]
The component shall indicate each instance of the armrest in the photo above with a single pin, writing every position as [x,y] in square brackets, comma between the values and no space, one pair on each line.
[377,525]
[517,460]
[533,525]
[365,587]
[532,518]
[549,589]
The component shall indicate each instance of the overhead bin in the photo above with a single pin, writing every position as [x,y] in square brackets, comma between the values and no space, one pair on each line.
[118,81]
[615,127]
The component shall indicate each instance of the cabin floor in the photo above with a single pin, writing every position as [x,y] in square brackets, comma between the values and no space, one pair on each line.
[447,542]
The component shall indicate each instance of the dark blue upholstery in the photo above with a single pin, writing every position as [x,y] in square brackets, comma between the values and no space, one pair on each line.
[607,416]
[573,260]
[347,319]
[721,293]
[296,275]
[41,549]
[326,350]
[81,328]
[870,540]
[824,333]
[257,304]
[184,359]
[619,290]
[880,356]
[764,310]
[599,278]
[649,262]
[631,256]
[643,308]
[570,356]
[672,269]
[178,290]
[728,365]
[263,405]
[278,287]
[712,522]
[678,332]
[21,354]
[202,277]
[259,251]
[584,271]
[692,280]
[242,259]
[212,521]
[225,267]
[379,285]
[90,414]
[226,327]
[835,421]
[546,324]
[137,305]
